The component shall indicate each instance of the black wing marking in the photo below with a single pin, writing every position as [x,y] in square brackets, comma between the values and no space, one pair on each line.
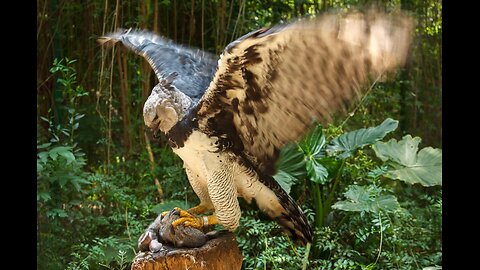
[273,82]
[194,68]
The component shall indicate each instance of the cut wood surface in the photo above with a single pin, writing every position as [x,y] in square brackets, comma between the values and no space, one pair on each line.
[220,252]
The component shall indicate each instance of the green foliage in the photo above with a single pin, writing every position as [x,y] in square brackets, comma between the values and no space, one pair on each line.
[87,219]
[362,219]
[367,199]
[406,165]
[344,145]
[101,253]
[263,247]
[290,166]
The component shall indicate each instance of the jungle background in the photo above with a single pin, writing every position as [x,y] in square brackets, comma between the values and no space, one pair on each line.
[102,178]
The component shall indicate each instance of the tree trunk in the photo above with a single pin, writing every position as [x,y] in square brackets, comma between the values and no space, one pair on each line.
[221,253]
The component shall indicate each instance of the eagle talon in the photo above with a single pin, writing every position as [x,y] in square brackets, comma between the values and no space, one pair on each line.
[192,221]
[186,218]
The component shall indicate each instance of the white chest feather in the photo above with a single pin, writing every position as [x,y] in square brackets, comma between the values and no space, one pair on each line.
[198,154]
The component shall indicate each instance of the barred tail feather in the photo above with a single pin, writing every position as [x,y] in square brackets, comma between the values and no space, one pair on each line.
[287,213]
[295,223]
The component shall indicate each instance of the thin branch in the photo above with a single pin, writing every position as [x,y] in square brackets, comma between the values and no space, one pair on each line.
[242,4]
[363,99]
[102,67]
[42,16]
[381,238]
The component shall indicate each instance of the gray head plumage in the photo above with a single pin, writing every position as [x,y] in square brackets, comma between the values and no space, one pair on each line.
[166,105]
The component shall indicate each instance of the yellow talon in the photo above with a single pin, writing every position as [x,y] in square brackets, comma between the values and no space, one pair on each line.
[194,222]
[189,218]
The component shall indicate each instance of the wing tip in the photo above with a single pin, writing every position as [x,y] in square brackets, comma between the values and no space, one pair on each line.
[113,37]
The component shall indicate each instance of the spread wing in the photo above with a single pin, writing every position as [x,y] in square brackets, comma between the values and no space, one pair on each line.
[189,70]
[271,83]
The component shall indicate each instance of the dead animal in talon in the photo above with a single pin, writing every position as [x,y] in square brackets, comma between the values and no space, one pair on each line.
[144,241]
[155,246]
[181,236]
[150,234]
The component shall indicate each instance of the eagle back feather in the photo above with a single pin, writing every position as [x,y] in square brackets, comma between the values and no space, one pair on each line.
[272,83]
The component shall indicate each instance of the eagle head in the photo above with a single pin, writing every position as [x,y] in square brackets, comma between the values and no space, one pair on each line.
[165,106]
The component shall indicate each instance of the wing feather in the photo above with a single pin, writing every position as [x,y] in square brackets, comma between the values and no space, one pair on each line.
[274,82]
[194,69]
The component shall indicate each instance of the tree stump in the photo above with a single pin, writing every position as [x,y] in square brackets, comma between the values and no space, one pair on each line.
[219,253]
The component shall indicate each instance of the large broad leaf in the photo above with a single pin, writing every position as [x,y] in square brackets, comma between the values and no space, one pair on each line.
[344,145]
[424,168]
[361,199]
[291,166]
[316,171]
[313,145]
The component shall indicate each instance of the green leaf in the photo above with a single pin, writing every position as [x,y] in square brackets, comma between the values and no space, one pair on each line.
[43,196]
[387,203]
[43,157]
[62,180]
[285,180]
[44,145]
[424,168]
[53,155]
[367,199]
[316,171]
[344,145]
[64,151]
[39,167]
[314,143]
[64,131]
[291,167]
[76,181]
[79,116]
[358,200]
[56,213]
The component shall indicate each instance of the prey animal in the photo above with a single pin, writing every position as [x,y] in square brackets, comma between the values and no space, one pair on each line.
[228,117]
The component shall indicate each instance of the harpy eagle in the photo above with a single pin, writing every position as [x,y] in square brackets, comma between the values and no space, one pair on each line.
[228,117]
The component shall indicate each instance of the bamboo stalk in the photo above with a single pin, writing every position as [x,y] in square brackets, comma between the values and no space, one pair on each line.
[122,68]
[192,23]
[175,20]
[155,17]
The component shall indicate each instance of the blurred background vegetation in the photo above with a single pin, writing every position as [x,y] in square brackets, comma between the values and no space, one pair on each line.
[101,179]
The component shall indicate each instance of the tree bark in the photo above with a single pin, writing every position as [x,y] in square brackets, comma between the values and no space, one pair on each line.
[221,253]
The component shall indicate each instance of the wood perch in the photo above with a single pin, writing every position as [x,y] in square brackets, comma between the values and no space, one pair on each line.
[220,253]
